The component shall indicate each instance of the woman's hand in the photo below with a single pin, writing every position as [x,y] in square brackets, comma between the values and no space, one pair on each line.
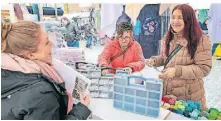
[149,62]
[129,69]
[106,71]
[85,99]
[168,73]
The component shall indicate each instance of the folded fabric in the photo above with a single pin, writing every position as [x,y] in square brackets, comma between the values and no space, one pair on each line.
[195,114]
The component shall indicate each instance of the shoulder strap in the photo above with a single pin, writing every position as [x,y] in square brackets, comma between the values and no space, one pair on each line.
[119,54]
[172,54]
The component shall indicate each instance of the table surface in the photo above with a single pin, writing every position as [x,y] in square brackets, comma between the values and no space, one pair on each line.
[103,108]
[174,116]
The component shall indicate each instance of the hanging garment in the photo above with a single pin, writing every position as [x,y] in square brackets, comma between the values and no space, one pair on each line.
[36,10]
[133,10]
[202,15]
[216,50]
[203,26]
[150,29]
[214,23]
[24,9]
[164,12]
[18,11]
[137,28]
[123,18]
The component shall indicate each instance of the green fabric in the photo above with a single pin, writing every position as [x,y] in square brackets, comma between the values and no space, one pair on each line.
[202,15]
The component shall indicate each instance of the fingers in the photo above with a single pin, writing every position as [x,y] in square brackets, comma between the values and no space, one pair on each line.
[149,62]
[161,76]
[84,99]
[81,98]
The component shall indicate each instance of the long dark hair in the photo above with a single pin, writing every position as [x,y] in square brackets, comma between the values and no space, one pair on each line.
[192,31]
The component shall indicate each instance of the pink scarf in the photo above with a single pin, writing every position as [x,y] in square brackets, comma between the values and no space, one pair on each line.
[16,63]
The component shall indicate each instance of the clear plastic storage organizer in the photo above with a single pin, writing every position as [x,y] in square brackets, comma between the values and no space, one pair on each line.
[138,94]
[102,87]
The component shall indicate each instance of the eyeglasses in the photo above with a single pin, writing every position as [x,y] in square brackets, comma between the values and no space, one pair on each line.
[125,38]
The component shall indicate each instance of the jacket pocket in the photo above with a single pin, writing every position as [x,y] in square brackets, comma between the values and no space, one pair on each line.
[187,92]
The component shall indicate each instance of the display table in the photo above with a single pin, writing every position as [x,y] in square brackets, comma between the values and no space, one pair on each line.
[103,108]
